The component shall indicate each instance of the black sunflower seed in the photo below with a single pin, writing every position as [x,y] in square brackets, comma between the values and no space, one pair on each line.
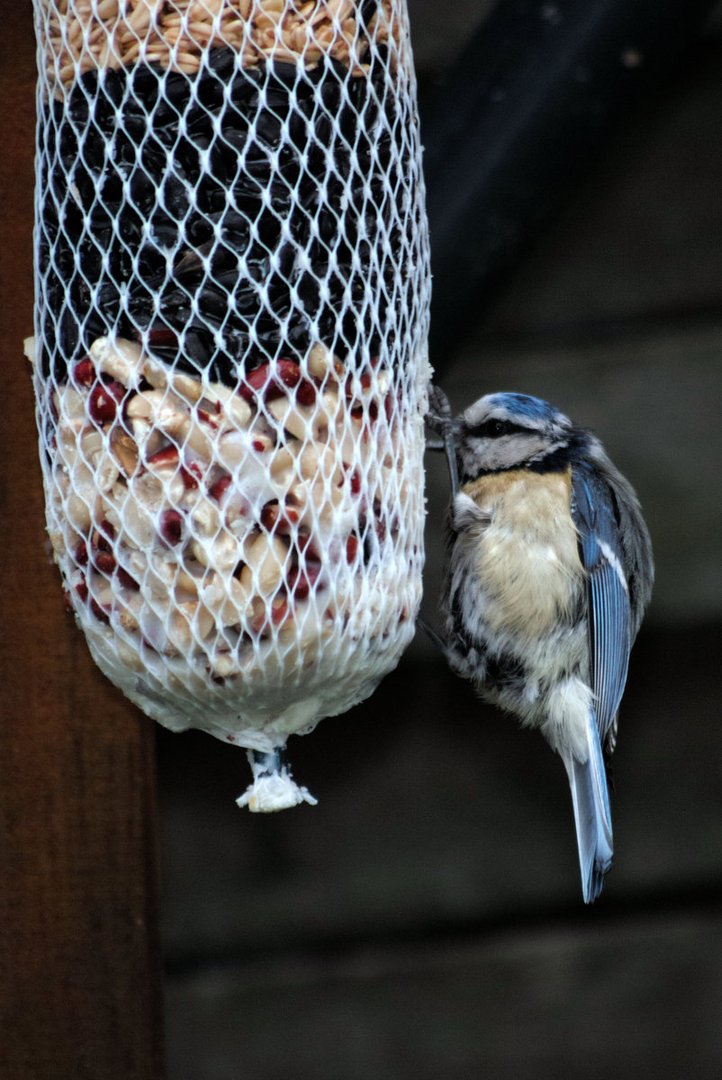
[229,216]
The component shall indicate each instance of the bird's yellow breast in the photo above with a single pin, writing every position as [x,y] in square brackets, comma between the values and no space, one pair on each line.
[525,551]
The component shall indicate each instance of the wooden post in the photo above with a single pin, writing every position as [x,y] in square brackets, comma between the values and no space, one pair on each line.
[79,963]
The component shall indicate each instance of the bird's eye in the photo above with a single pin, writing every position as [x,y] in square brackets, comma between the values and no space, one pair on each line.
[494,429]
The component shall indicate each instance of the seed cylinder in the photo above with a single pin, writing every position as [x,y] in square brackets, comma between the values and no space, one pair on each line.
[230,353]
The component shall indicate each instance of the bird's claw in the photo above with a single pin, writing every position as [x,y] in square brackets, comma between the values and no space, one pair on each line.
[440,420]
[439,417]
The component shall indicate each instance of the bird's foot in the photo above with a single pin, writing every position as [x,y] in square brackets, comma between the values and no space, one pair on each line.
[439,416]
[440,420]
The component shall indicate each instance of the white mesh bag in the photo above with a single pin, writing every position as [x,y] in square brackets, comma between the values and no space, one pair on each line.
[230,353]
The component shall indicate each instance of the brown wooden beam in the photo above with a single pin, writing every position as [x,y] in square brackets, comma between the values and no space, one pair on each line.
[79,961]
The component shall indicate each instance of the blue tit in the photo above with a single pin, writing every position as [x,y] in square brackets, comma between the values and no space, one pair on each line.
[549,572]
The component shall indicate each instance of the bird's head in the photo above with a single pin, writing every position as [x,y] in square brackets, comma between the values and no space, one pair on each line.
[507,431]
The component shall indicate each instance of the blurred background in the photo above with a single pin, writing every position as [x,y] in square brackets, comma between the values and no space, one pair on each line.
[425,919]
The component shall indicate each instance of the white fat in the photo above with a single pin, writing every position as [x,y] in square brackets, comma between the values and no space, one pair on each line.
[273,791]
[30,349]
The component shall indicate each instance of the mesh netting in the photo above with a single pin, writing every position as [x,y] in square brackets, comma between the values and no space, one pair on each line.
[232,292]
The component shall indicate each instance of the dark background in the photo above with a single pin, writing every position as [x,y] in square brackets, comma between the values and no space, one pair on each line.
[425,919]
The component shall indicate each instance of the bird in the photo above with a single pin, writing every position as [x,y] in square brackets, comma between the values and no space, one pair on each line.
[549,571]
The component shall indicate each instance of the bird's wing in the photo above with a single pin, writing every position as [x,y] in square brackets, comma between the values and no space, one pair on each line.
[593,510]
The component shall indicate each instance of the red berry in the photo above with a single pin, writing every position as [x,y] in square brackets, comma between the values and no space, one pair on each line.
[220,487]
[126,580]
[104,562]
[171,526]
[273,519]
[298,584]
[304,543]
[301,581]
[263,382]
[306,393]
[191,475]
[103,401]
[269,515]
[256,382]
[289,372]
[103,537]
[167,456]
[84,373]
[100,612]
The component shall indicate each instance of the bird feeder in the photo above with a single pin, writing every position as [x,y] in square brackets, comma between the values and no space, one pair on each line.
[229,356]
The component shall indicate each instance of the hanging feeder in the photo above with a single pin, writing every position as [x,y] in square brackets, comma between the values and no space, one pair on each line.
[230,358]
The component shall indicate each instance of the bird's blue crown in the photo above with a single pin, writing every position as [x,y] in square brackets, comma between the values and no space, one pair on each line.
[524,406]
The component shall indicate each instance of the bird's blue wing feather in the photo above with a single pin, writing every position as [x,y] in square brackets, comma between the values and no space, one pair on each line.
[609,610]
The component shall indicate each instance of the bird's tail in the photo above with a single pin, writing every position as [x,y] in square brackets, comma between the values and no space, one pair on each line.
[592,816]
